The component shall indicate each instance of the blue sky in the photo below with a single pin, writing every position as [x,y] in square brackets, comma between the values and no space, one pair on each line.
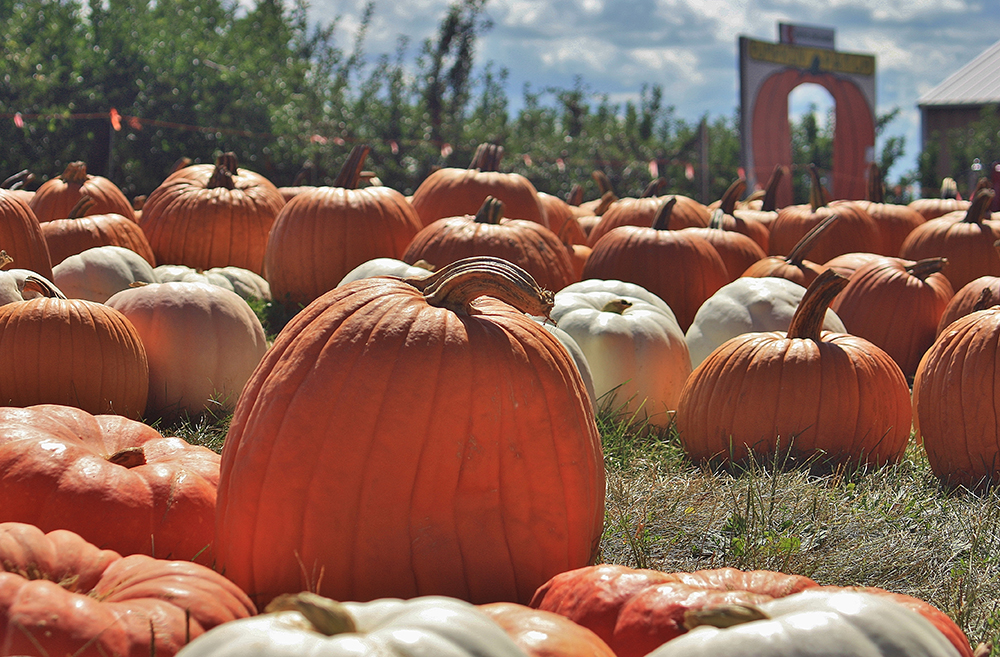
[689,47]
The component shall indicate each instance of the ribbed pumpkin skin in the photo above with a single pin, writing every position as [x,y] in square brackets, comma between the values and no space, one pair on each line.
[55,198]
[542,633]
[89,602]
[189,222]
[956,401]
[681,268]
[854,231]
[687,213]
[325,232]
[71,352]
[966,298]
[842,396]
[21,236]
[386,447]
[895,309]
[967,245]
[66,237]
[452,192]
[527,244]
[58,470]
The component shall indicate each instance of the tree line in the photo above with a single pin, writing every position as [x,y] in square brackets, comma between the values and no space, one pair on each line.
[192,78]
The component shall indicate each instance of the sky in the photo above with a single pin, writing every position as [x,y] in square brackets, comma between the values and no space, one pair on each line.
[689,47]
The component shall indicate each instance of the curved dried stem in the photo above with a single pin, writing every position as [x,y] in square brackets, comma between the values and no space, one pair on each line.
[807,322]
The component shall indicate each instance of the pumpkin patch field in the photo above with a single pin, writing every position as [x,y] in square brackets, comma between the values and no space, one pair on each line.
[243,419]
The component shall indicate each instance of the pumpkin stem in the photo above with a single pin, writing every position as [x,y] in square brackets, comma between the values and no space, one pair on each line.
[818,197]
[875,191]
[490,212]
[733,194]
[130,457]
[661,220]
[328,617]
[457,285]
[350,173]
[575,196]
[984,301]
[808,318]
[487,157]
[36,286]
[603,182]
[82,207]
[718,219]
[949,188]
[76,172]
[804,245]
[770,201]
[566,231]
[723,616]
[18,180]
[607,198]
[980,206]
[180,163]
[924,268]
[5,259]
[653,188]
[617,306]
[225,169]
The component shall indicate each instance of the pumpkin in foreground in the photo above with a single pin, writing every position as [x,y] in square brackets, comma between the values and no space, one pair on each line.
[818,623]
[60,595]
[406,437]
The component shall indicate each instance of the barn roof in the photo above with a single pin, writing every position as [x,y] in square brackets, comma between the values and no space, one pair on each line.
[976,83]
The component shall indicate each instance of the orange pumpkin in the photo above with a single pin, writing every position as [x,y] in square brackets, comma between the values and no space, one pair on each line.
[794,266]
[835,397]
[738,251]
[528,244]
[21,236]
[967,298]
[541,633]
[116,482]
[71,352]
[947,201]
[211,215]
[325,232]
[472,467]
[894,221]
[452,192]
[80,231]
[686,213]
[55,198]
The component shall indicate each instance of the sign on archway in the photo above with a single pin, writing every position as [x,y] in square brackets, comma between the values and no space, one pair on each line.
[768,73]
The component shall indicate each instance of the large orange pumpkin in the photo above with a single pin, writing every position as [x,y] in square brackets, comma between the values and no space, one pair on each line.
[21,236]
[325,232]
[61,595]
[405,437]
[894,221]
[528,244]
[116,482]
[835,397]
[452,192]
[211,215]
[71,352]
[80,231]
[55,198]
[685,213]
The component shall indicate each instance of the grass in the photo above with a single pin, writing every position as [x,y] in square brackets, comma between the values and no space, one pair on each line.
[894,527]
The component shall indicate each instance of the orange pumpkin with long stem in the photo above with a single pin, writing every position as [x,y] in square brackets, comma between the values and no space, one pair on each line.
[831,396]
[794,266]
[55,197]
[641,211]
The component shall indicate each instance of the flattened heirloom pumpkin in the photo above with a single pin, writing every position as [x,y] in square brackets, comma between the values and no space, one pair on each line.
[408,437]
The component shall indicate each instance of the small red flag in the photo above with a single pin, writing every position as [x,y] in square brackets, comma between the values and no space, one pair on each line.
[116,119]
[18,121]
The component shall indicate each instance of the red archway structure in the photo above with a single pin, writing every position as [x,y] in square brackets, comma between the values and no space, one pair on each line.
[769,72]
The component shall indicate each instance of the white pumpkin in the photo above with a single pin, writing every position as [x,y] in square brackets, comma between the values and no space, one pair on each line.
[202,343]
[316,627]
[24,284]
[579,359]
[633,344]
[98,272]
[243,282]
[747,305]
[384,267]
[814,623]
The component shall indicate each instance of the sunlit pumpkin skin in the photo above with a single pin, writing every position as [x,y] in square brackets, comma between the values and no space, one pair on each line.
[55,198]
[116,482]
[681,268]
[528,244]
[21,236]
[966,239]
[541,633]
[472,467]
[71,352]
[211,215]
[847,263]
[947,201]
[324,233]
[896,304]
[557,213]
[794,266]
[243,282]
[834,397]
[686,213]
[453,192]
[60,595]
[202,343]
[956,402]
[818,622]
[97,273]
[23,284]
[79,231]
[636,610]
[308,624]
[738,251]
[966,298]
[894,221]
